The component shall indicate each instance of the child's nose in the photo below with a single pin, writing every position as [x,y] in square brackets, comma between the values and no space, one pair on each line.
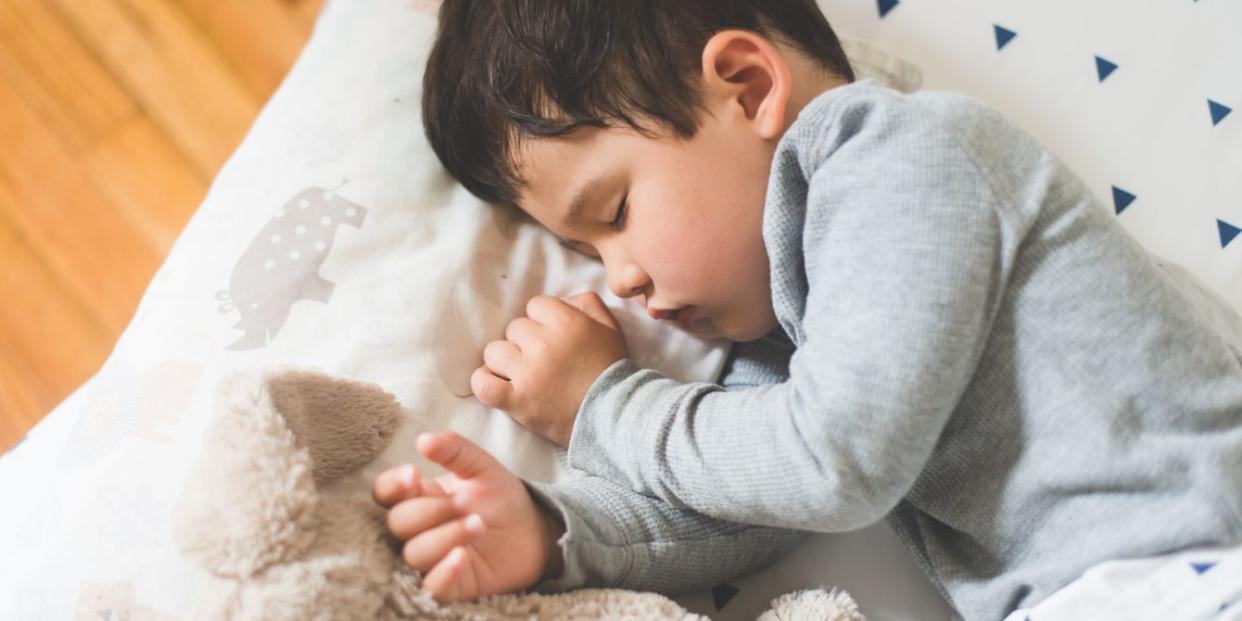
[628,281]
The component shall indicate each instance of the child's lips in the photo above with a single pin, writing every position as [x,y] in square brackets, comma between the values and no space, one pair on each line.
[683,316]
[672,313]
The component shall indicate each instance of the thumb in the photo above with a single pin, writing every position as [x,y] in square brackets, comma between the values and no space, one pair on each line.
[589,303]
[457,454]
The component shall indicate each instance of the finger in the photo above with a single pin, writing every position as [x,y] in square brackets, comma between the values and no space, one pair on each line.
[523,331]
[396,484]
[457,454]
[547,310]
[576,299]
[436,487]
[447,580]
[411,517]
[489,388]
[424,550]
[590,304]
[503,358]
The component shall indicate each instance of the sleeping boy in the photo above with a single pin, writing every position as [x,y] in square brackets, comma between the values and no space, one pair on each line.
[936,323]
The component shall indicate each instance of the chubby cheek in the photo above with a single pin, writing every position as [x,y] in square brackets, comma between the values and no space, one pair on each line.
[679,264]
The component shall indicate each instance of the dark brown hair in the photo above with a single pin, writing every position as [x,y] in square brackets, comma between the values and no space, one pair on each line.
[501,70]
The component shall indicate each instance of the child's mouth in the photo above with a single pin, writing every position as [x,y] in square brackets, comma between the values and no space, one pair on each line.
[683,317]
[670,314]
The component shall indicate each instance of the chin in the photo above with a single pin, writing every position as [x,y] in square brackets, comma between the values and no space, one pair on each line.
[752,332]
[746,336]
[736,331]
[736,334]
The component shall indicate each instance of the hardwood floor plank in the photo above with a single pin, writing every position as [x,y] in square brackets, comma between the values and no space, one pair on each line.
[306,12]
[78,100]
[50,342]
[42,60]
[23,402]
[167,64]
[115,117]
[75,230]
[261,38]
[144,174]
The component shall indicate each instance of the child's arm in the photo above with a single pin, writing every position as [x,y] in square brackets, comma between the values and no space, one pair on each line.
[477,531]
[618,538]
[896,272]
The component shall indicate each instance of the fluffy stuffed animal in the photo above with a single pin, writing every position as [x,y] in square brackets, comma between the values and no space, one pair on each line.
[276,548]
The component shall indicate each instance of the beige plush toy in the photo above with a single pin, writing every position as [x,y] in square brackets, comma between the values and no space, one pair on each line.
[276,548]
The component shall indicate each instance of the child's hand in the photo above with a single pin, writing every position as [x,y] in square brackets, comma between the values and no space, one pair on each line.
[542,370]
[472,532]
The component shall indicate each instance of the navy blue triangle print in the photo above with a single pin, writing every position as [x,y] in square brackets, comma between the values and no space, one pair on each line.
[1227,232]
[1003,36]
[1201,567]
[1104,67]
[722,594]
[886,6]
[1121,199]
[1219,111]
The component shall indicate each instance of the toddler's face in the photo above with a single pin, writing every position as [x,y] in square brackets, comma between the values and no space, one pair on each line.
[677,223]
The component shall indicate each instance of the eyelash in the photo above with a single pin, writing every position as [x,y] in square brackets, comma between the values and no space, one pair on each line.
[618,221]
[615,225]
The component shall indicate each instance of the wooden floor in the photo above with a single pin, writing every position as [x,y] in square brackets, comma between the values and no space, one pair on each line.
[114,117]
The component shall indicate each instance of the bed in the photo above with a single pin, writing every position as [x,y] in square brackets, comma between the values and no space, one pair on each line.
[333,240]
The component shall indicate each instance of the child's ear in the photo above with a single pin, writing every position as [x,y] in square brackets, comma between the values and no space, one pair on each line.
[742,68]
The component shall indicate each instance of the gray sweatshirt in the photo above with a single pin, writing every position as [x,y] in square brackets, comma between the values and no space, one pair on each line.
[969,346]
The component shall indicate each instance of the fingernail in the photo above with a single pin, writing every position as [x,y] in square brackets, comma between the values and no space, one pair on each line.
[408,475]
[458,556]
[461,500]
[474,523]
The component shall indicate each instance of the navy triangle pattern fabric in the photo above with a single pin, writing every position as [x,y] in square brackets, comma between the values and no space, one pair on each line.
[1219,111]
[1121,199]
[1105,67]
[1227,232]
[1003,36]
[721,594]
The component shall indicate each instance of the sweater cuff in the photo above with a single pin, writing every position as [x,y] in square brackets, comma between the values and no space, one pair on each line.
[585,560]
[595,440]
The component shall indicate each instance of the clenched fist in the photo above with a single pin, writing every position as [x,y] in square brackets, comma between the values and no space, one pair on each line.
[548,360]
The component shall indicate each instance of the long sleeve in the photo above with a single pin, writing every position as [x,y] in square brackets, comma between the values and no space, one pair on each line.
[885,240]
[616,537]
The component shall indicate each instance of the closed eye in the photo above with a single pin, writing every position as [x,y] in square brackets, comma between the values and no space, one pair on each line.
[617,223]
[619,220]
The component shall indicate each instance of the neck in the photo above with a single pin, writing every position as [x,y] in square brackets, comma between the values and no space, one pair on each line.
[809,82]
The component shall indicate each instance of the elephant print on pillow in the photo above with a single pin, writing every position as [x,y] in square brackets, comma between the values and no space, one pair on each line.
[281,265]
